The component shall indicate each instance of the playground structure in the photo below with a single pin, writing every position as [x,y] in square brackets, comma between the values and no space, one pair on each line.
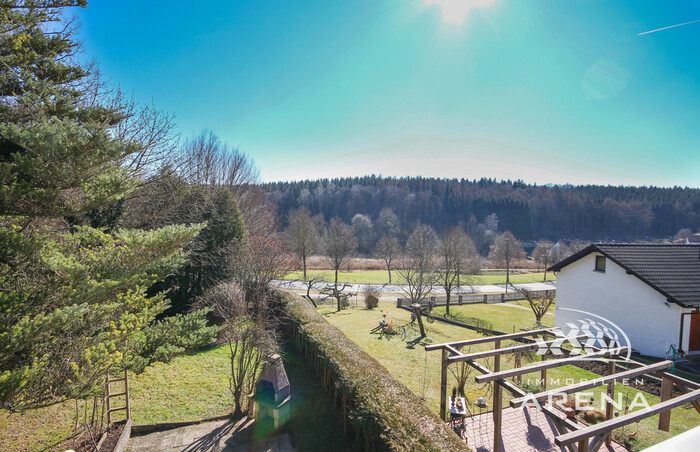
[571,434]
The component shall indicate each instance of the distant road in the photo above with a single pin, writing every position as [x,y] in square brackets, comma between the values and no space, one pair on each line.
[397,288]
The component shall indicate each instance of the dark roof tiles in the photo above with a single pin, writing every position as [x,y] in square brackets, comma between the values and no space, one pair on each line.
[672,270]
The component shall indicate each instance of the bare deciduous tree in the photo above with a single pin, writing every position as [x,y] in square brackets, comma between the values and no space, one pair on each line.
[302,236]
[505,249]
[539,302]
[339,244]
[256,262]
[541,255]
[311,282]
[211,162]
[388,249]
[152,128]
[457,254]
[249,336]
[417,267]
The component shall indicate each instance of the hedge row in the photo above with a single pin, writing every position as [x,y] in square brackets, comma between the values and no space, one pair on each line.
[382,412]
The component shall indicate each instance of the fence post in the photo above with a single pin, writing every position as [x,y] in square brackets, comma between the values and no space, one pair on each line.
[503,298]
[460,299]
[486,298]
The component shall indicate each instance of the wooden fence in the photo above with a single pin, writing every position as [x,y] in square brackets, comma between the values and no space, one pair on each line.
[472,299]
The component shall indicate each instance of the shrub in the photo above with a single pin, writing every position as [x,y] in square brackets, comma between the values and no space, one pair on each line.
[530,387]
[165,339]
[371,297]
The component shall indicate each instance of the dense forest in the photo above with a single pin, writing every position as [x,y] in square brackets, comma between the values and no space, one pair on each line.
[531,212]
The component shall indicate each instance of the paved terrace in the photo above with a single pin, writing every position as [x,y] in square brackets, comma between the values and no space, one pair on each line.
[524,430]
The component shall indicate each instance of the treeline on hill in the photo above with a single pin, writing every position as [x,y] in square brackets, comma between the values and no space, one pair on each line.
[530,212]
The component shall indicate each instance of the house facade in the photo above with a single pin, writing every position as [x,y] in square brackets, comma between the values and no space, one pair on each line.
[650,292]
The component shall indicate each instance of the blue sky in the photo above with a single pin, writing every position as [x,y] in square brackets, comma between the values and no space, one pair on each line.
[548,91]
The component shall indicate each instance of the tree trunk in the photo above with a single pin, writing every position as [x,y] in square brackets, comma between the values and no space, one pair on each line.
[303,259]
[507,274]
[388,269]
[308,295]
[447,294]
[335,291]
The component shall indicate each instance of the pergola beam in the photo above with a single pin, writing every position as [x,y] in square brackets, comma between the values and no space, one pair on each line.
[452,350]
[590,384]
[559,420]
[546,365]
[636,416]
[679,380]
[484,340]
[513,349]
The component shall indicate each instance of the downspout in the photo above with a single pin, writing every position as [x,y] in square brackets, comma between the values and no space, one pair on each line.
[680,338]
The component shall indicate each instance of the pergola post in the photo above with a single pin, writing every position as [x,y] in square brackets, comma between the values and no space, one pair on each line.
[443,385]
[666,394]
[543,372]
[608,403]
[497,403]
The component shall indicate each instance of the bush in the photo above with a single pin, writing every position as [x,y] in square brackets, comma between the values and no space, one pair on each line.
[371,297]
[530,387]
[165,339]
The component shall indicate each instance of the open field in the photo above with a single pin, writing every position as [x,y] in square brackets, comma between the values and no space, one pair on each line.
[381,277]
[317,262]
[420,370]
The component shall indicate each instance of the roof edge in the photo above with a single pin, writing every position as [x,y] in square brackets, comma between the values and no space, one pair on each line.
[594,248]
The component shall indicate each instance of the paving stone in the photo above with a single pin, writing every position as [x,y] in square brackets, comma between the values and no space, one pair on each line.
[522,430]
[217,436]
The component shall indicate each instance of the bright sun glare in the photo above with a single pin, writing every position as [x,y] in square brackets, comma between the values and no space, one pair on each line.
[456,11]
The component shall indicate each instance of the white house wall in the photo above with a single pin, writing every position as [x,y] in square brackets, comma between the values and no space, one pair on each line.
[640,311]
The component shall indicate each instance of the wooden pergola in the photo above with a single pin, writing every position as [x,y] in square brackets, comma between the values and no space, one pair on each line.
[572,435]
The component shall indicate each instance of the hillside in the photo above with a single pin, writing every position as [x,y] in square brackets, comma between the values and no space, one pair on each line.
[590,212]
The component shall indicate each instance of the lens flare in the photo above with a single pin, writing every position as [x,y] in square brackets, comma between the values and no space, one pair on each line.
[455,12]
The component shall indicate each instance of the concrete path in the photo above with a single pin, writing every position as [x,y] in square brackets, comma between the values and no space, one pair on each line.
[396,288]
[216,436]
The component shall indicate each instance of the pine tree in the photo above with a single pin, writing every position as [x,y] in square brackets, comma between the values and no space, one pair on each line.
[70,298]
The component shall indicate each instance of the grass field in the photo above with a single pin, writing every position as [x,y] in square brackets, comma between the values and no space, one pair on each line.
[502,317]
[188,388]
[381,277]
[420,370]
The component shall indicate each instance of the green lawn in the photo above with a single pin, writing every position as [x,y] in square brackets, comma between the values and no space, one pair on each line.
[381,277]
[501,317]
[190,387]
[408,361]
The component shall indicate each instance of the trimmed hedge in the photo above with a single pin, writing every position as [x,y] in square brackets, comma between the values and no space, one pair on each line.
[384,414]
